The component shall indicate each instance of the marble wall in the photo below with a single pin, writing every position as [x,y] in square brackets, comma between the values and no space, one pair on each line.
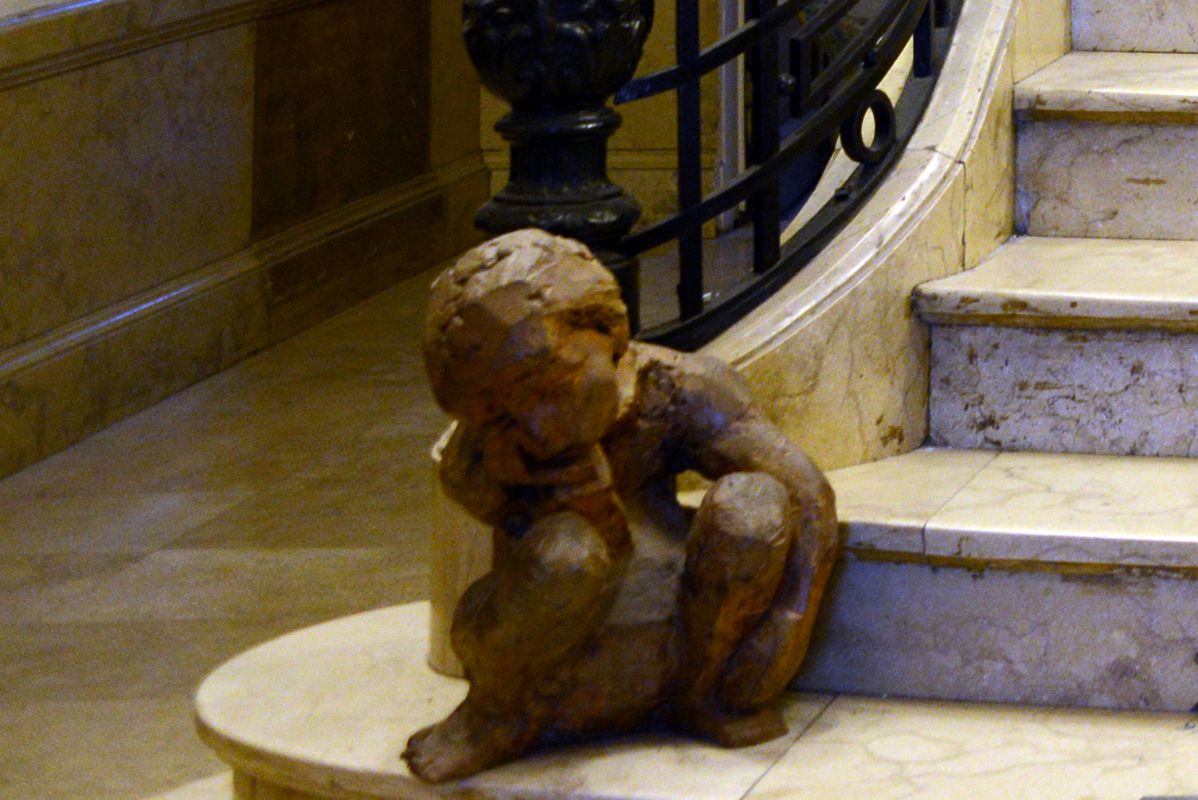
[186,182]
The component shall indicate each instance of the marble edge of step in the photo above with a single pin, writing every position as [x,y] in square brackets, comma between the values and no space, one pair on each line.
[1114,88]
[1070,283]
[893,532]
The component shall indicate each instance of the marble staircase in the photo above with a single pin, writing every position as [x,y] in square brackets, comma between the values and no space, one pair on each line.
[1044,547]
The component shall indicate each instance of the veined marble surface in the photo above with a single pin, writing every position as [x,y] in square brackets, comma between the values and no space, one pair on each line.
[47,31]
[1113,391]
[1091,179]
[1134,87]
[1116,640]
[1042,35]
[835,356]
[332,705]
[1064,282]
[1046,508]
[892,750]
[1147,25]
[1038,508]
[885,505]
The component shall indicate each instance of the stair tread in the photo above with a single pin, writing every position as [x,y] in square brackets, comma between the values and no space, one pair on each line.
[1024,508]
[1082,283]
[1132,87]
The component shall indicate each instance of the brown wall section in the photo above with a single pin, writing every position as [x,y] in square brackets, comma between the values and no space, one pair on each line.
[342,106]
[183,192]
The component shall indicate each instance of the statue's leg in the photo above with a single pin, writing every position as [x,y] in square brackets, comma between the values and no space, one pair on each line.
[771,656]
[517,631]
[736,556]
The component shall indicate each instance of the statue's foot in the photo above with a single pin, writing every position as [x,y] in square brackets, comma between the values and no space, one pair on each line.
[464,743]
[730,730]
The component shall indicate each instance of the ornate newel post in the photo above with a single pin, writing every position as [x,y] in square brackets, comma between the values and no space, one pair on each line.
[557,62]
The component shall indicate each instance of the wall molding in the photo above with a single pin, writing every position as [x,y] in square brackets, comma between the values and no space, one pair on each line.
[257,259]
[43,45]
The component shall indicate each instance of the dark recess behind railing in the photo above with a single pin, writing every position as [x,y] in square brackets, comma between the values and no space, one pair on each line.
[813,66]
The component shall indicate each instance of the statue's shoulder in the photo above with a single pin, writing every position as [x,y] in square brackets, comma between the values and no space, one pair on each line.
[694,386]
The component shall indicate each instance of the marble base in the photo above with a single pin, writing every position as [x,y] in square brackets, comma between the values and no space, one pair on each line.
[1112,391]
[323,713]
[1161,26]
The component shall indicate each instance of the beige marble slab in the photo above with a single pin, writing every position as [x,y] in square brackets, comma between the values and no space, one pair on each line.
[1111,640]
[1116,392]
[887,750]
[116,523]
[216,787]
[1143,25]
[1037,508]
[335,704]
[884,506]
[1048,508]
[1095,179]
[1042,35]
[1065,282]
[1132,87]
[197,585]
[99,750]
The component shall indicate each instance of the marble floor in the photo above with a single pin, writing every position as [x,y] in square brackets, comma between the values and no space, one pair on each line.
[291,489]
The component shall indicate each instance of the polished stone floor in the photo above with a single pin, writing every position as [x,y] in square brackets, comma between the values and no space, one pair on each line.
[291,489]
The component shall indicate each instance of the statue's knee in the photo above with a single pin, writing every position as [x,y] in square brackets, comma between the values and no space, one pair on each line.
[749,506]
[742,529]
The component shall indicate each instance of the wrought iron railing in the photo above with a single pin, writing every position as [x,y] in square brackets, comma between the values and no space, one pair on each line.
[814,67]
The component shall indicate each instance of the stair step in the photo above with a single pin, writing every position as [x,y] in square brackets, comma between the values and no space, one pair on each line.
[1162,26]
[1113,87]
[1023,510]
[1059,345]
[1072,283]
[1100,145]
[1015,577]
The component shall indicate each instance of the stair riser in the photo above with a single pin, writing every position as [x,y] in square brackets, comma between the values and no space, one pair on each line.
[1109,392]
[1142,26]
[1115,181]
[910,630]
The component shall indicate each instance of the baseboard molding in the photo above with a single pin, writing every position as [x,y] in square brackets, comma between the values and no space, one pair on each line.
[79,378]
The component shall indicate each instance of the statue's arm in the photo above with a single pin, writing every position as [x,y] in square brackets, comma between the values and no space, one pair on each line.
[721,432]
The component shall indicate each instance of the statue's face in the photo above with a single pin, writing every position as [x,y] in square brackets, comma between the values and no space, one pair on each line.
[564,398]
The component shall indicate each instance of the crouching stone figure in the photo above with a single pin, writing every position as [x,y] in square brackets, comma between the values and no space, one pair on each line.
[609,605]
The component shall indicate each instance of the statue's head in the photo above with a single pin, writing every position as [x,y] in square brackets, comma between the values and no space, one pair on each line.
[526,330]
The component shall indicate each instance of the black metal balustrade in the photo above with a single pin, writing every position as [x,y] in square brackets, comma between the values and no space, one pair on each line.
[814,67]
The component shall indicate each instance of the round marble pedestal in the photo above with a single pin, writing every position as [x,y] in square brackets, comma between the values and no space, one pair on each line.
[326,711]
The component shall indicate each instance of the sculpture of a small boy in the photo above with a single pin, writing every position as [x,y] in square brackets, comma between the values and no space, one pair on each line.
[609,606]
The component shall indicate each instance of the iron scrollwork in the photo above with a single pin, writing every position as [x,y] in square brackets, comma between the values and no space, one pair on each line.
[852,133]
